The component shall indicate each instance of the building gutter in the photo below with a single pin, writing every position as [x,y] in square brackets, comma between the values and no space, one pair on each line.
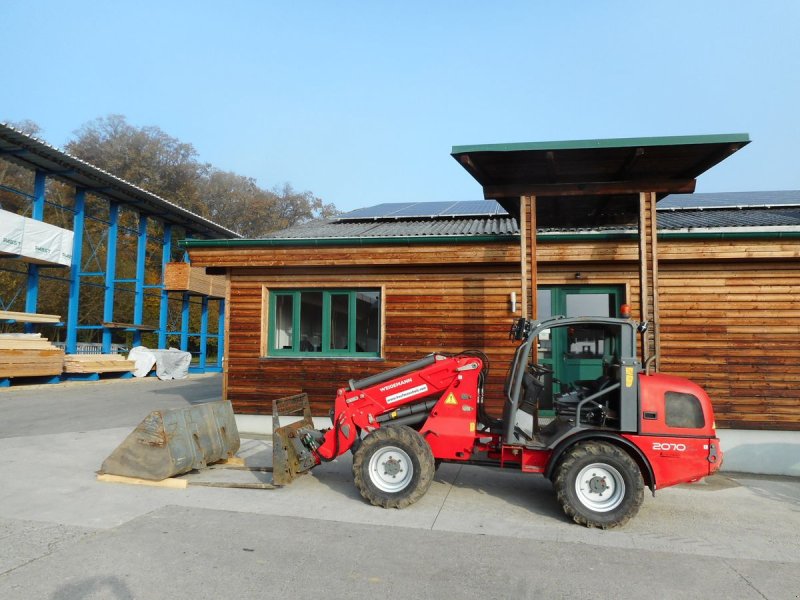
[403,241]
[750,234]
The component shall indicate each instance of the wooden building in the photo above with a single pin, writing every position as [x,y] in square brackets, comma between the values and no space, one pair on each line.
[382,286]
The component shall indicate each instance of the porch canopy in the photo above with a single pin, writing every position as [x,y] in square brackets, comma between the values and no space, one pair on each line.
[594,184]
[593,172]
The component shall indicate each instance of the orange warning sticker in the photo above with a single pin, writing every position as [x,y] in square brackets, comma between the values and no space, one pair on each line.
[451,399]
[472,427]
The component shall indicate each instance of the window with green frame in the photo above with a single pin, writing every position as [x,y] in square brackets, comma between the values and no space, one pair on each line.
[336,322]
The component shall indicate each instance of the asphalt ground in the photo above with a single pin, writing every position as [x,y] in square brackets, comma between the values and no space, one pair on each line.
[477,533]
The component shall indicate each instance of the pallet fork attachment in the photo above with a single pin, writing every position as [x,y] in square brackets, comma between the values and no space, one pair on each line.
[290,457]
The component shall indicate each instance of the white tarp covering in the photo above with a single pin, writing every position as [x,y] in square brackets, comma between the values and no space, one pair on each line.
[67,238]
[41,242]
[12,227]
[170,364]
[34,241]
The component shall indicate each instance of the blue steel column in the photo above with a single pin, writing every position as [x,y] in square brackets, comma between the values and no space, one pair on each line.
[111,273]
[221,333]
[75,272]
[185,323]
[166,253]
[32,289]
[203,333]
[141,256]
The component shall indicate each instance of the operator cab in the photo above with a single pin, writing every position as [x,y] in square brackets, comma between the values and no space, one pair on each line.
[567,374]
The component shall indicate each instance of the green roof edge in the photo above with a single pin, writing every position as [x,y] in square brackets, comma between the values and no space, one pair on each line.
[399,240]
[467,239]
[720,138]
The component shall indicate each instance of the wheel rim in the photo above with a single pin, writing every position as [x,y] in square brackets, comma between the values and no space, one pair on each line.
[600,487]
[390,469]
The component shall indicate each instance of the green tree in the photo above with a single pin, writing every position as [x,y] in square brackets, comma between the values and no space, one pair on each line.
[167,167]
[144,156]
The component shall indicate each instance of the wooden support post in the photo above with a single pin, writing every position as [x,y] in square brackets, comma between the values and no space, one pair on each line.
[654,281]
[523,254]
[221,341]
[648,274]
[531,241]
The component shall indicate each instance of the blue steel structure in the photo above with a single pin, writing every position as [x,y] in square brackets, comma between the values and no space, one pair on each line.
[47,162]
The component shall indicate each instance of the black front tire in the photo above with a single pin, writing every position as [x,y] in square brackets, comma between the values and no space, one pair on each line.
[599,485]
[393,467]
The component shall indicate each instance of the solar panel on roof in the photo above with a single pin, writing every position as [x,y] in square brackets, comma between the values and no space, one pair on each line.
[408,210]
[423,209]
[469,208]
[375,212]
[730,200]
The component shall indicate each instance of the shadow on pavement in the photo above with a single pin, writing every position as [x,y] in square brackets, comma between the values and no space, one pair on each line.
[194,392]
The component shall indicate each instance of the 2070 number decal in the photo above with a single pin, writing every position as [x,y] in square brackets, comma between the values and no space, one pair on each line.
[669,447]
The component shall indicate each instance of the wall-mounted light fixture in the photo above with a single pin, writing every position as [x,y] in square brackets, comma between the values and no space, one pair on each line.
[578,276]
[513,302]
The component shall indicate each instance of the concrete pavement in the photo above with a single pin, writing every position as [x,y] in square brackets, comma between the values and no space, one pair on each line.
[476,533]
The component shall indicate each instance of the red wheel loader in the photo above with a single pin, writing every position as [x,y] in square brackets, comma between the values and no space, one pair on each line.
[600,440]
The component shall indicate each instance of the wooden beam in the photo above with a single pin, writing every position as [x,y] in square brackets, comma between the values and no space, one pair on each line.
[654,277]
[471,167]
[24,317]
[552,171]
[183,277]
[708,162]
[115,325]
[630,163]
[671,186]
[523,254]
[534,275]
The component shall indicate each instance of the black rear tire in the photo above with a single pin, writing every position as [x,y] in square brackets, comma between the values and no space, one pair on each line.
[599,485]
[393,467]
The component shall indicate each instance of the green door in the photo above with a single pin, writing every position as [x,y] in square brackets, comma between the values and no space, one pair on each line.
[577,353]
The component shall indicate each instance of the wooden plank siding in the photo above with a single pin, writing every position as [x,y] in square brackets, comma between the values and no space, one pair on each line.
[336,256]
[433,309]
[734,329]
[729,313]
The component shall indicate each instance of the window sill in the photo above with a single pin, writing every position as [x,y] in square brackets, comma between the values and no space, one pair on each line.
[312,357]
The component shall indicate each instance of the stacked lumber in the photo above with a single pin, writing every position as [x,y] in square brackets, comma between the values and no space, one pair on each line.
[29,355]
[183,277]
[24,317]
[97,363]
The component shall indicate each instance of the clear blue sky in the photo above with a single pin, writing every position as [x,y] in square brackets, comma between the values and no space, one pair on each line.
[361,102]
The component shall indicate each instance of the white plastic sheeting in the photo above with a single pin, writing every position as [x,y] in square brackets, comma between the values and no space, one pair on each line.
[35,241]
[170,364]
[12,228]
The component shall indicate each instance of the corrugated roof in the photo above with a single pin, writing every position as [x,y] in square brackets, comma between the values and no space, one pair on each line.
[407,210]
[729,218]
[759,212]
[730,200]
[469,226]
[676,212]
[33,153]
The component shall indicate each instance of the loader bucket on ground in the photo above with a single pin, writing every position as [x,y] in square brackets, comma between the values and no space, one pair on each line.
[171,442]
[290,457]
